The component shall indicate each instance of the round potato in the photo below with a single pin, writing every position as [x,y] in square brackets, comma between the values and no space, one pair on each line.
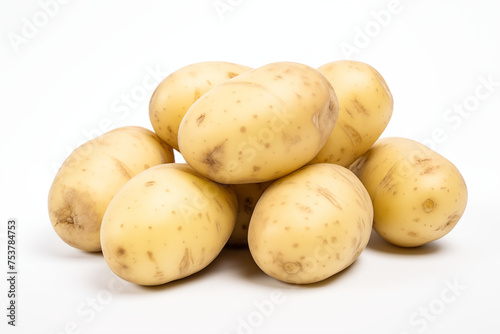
[418,195]
[91,176]
[248,195]
[178,91]
[260,125]
[311,224]
[365,108]
[166,223]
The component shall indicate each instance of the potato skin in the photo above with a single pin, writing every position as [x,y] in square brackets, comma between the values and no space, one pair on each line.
[248,195]
[166,223]
[178,91]
[260,125]
[418,195]
[365,109]
[311,224]
[92,174]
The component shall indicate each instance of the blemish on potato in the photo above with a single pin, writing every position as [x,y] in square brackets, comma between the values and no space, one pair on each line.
[231,75]
[412,234]
[428,205]
[149,183]
[200,119]
[329,196]
[292,268]
[243,129]
[150,256]
[185,262]
[120,251]
[212,157]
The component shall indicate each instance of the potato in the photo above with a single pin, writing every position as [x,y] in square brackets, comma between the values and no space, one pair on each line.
[365,108]
[418,195]
[166,223]
[311,224]
[177,92]
[260,125]
[92,174]
[248,195]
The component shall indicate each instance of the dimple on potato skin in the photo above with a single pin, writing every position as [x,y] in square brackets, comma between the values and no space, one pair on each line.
[310,224]
[418,195]
[165,224]
[260,125]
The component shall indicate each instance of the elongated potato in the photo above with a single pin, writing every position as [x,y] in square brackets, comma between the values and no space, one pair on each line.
[365,108]
[311,224]
[92,174]
[260,125]
[418,195]
[166,223]
[248,196]
[178,91]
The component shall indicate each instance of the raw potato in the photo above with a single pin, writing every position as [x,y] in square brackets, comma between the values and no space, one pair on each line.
[260,125]
[166,223]
[248,195]
[311,224]
[365,108]
[418,196]
[177,92]
[92,174]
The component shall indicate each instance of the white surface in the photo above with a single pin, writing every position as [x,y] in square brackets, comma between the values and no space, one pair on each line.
[70,80]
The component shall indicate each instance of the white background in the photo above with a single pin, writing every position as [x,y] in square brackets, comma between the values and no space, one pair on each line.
[85,67]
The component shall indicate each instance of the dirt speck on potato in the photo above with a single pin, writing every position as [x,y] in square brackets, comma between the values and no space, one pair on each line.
[292,268]
[213,158]
[120,251]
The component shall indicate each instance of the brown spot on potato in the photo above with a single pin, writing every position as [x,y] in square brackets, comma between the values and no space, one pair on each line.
[256,168]
[197,93]
[179,228]
[329,196]
[200,119]
[213,156]
[120,251]
[185,262]
[412,234]
[150,256]
[360,108]
[351,132]
[231,75]
[292,268]
[428,205]
[122,168]
[295,245]
[149,183]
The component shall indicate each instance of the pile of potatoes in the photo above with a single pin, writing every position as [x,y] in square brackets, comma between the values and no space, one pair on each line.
[283,159]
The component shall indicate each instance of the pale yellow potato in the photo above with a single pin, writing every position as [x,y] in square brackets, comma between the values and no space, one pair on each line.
[311,224]
[260,125]
[92,174]
[178,91]
[248,195]
[418,195]
[365,108]
[166,223]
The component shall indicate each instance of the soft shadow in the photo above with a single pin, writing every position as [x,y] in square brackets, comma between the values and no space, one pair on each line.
[377,243]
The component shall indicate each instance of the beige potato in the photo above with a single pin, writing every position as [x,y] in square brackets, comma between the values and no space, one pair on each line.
[166,223]
[92,174]
[248,195]
[365,109]
[418,195]
[311,224]
[260,125]
[178,91]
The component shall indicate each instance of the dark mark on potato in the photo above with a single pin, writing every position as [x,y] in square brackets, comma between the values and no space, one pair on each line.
[200,119]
